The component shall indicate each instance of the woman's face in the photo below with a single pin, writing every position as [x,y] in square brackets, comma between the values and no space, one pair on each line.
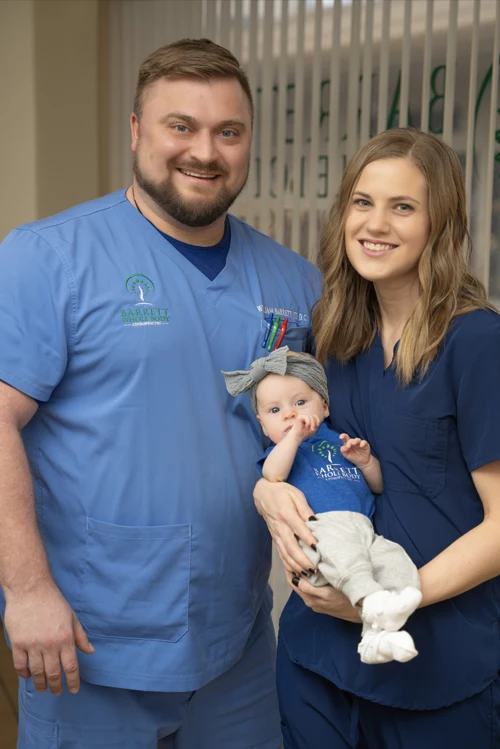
[388,222]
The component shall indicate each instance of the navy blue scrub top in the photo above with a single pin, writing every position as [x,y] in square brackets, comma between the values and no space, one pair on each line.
[428,437]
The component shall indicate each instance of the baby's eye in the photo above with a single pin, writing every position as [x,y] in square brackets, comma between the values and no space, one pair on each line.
[274,410]
[300,402]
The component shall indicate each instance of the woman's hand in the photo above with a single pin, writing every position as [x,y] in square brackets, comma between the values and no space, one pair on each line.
[324,600]
[285,510]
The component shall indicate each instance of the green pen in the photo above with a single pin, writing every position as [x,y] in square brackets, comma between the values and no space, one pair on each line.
[272,334]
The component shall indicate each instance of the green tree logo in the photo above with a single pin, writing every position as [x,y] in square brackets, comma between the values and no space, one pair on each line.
[325,450]
[140,286]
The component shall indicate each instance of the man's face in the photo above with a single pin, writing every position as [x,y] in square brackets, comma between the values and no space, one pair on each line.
[192,147]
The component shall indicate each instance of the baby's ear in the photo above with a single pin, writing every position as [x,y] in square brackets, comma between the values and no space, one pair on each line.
[327,410]
[261,424]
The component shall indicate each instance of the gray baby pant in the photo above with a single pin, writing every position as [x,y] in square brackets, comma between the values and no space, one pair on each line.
[352,558]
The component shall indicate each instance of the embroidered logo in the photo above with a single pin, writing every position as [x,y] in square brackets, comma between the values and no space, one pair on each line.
[141,286]
[331,470]
[142,311]
[325,450]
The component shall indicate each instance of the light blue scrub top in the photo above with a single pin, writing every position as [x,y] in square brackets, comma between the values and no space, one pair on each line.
[143,465]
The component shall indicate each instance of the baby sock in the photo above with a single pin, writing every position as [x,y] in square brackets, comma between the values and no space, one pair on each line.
[389,610]
[378,646]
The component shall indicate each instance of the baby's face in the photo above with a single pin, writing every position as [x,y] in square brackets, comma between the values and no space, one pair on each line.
[280,399]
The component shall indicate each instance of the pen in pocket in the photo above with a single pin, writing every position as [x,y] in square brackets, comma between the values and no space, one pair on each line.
[269,322]
[273,333]
[281,333]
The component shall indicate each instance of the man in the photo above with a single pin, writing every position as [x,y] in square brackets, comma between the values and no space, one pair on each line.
[128,528]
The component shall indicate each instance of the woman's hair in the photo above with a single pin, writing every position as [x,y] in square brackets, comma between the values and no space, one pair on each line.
[347,315]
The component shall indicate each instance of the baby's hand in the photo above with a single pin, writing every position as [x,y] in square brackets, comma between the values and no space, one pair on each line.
[356,450]
[304,426]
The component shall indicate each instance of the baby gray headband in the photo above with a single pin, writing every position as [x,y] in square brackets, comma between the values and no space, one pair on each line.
[278,362]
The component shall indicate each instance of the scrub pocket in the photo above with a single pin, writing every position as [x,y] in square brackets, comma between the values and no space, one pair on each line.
[413,451]
[135,581]
[35,733]
[295,337]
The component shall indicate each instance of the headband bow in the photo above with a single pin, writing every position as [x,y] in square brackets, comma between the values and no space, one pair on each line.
[241,380]
[279,362]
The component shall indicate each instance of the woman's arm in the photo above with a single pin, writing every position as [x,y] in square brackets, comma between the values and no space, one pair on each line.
[285,510]
[474,557]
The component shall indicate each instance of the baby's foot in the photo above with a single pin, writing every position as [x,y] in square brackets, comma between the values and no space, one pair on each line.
[378,646]
[389,610]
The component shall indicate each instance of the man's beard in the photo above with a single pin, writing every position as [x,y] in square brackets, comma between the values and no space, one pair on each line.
[188,213]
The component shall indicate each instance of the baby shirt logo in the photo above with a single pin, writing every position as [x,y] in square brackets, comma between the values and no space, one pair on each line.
[332,470]
[325,450]
[142,311]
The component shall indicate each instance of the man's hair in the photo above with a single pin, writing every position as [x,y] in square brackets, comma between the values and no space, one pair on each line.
[189,58]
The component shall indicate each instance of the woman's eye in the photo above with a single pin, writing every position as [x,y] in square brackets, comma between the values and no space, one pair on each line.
[404,207]
[362,203]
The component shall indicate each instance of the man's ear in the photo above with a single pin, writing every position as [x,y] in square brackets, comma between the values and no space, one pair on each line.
[134,131]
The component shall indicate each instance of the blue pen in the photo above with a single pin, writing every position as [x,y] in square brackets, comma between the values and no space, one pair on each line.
[273,333]
[269,320]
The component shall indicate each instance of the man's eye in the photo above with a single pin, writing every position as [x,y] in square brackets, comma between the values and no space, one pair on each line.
[227,133]
[181,128]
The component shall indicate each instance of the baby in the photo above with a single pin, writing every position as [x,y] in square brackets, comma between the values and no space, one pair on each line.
[289,394]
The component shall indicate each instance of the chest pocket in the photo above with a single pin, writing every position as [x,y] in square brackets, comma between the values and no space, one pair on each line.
[413,453]
[295,337]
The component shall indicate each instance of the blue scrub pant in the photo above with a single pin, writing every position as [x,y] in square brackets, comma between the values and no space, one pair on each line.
[238,710]
[316,714]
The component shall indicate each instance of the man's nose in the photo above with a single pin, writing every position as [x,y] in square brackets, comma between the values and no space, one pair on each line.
[203,148]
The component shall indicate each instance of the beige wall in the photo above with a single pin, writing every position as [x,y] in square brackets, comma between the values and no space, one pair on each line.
[49,92]
[18,190]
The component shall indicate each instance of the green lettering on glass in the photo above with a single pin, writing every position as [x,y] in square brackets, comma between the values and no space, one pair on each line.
[323,176]
[394,110]
[290,87]
[438,96]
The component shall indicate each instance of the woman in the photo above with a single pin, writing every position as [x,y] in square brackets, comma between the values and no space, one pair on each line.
[412,354]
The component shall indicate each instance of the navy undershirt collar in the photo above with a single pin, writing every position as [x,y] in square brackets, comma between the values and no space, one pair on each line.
[208,260]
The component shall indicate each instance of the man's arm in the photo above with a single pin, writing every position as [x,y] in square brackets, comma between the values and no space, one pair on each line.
[42,627]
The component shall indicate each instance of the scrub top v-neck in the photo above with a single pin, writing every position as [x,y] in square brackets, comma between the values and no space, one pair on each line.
[428,436]
[143,465]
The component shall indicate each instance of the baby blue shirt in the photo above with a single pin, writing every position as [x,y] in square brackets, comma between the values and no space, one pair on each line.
[327,479]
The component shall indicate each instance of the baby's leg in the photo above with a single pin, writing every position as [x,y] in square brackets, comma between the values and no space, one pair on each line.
[343,558]
[396,573]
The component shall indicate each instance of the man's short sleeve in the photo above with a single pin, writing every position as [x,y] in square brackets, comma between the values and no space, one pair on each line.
[477,378]
[35,309]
